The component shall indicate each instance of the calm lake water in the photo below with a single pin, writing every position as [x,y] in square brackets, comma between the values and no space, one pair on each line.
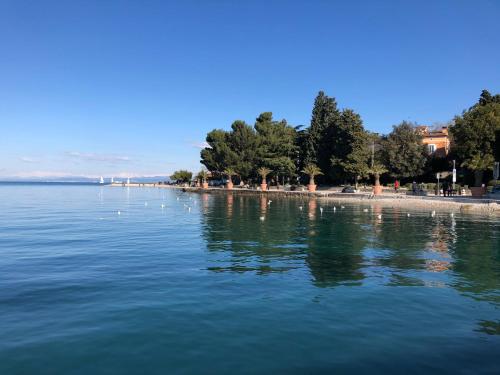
[203,285]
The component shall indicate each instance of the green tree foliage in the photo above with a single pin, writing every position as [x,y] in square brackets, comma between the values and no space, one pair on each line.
[376,170]
[202,175]
[263,173]
[218,155]
[350,147]
[235,149]
[277,148]
[475,135]
[182,176]
[318,147]
[403,151]
[243,143]
[312,170]
[229,172]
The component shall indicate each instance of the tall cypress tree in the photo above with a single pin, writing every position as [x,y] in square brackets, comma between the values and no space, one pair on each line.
[317,145]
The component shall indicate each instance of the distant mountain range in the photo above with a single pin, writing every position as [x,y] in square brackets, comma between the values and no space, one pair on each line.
[83,179]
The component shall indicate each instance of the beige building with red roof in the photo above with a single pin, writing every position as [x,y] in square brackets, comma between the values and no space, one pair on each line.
[437,140]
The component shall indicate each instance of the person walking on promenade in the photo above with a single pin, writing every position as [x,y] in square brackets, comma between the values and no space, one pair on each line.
[445,188]
[396,186]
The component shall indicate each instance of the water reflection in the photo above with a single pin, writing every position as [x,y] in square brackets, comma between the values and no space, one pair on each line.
[354,245]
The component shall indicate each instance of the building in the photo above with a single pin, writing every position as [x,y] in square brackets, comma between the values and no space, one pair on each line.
[437,140]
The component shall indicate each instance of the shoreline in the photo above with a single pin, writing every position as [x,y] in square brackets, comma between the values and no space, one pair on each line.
[450,204]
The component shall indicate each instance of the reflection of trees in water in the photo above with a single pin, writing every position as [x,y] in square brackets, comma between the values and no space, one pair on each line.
[489,327]
[476,254]
[233,225]
[469,250]
[343,247]
[335,248]
[331,246]
[403,239]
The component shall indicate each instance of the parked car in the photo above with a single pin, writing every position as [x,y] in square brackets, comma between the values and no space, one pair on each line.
[348,189]
[495,192]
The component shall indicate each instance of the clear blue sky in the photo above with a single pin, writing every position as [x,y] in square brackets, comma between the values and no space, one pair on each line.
[132,87]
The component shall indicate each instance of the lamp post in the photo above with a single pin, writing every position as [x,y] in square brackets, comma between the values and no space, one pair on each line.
[454,175]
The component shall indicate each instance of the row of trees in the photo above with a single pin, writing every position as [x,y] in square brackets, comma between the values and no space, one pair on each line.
[337,142]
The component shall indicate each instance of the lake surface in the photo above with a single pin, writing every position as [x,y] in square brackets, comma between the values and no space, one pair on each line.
[223,284]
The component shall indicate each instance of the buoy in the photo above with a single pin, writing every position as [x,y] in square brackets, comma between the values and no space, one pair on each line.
[365,210]
[262,218]
[408,215]
[379,216]
[119,213]
[162,205]
[342,207]
[300,208]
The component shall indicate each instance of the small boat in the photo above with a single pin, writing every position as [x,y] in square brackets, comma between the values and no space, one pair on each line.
[101,181]
[112,180]
[128,181]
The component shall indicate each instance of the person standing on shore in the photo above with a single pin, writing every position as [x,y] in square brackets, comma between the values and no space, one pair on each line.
[396,186]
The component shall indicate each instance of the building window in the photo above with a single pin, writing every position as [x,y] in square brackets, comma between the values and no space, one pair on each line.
[431,148]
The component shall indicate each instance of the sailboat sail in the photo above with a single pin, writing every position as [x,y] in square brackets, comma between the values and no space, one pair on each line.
[101,181]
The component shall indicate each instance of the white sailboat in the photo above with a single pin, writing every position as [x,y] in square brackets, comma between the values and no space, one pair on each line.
[112,180]
[128,181]
[101,181]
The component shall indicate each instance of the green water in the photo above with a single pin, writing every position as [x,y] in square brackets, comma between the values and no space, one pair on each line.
[225,284]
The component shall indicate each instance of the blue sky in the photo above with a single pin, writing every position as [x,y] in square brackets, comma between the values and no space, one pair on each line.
[131,87]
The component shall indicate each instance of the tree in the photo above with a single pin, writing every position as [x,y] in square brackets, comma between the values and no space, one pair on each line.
[475,135]
[218,155]
[263,172]
[202,176]
[376,170]
[182,176]
[312,170]
[350,147]
[243,143]
[317,145]
[229,172]
[277,146]
[404,153]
